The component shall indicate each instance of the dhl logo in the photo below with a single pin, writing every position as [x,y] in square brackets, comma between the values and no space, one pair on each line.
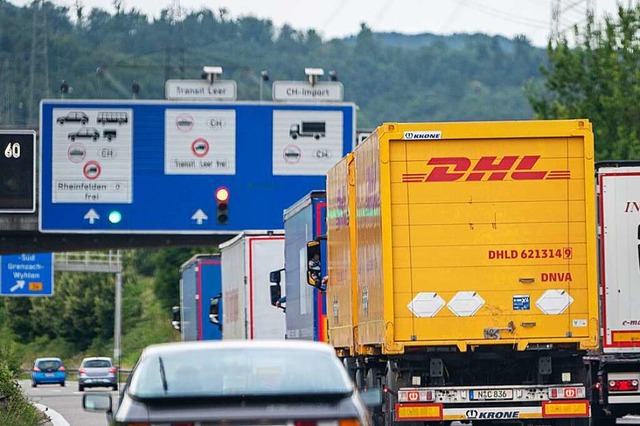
[511,167]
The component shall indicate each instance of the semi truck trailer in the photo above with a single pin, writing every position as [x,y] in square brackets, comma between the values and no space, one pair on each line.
[463,273]
[200,312]
[306,305]
[247,260]
[615,366]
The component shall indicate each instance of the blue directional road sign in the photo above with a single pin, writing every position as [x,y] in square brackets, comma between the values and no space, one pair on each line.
[26,274]
[160,166]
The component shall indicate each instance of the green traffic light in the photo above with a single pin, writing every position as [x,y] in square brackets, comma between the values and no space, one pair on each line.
[115,217]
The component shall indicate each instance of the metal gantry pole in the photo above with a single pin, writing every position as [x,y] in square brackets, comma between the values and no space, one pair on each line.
[117,327]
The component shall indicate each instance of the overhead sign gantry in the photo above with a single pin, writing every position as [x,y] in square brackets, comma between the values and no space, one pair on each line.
[156,166]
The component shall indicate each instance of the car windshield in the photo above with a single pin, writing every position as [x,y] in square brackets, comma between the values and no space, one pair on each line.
[48,364]
[232,373]
[97,363]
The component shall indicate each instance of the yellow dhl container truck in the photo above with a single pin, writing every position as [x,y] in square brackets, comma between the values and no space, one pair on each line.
[468,284]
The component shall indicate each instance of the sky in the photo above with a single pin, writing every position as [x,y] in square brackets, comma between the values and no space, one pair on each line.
[340,18]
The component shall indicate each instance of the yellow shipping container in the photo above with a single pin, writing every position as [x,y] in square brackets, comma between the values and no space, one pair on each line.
[341,255]
[471,234]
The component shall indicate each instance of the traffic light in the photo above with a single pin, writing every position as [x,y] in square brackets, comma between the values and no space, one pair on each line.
[222,204]
[115,217]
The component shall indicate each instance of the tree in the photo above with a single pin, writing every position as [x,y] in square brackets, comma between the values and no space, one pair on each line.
[598,79]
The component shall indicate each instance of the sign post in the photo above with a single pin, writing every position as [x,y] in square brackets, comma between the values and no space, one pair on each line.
[17,171]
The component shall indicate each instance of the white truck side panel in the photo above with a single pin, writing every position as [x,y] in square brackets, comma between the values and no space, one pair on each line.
[265,254]
[247,261]
[620,257]
[233,290]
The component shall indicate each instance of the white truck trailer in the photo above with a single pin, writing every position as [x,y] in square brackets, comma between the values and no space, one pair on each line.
[247,261]
[615,367]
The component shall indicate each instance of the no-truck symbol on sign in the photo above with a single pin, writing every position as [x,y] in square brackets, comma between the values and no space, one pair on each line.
[184,122]
[200,147]
[91,170]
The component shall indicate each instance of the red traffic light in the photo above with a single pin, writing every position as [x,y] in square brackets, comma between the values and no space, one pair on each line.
[222,202]
[222,194]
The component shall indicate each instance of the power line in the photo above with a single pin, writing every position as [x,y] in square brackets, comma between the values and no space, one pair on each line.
[563,9]
[506,16]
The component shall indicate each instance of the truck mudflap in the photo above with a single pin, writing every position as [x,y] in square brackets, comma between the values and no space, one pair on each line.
[578,408]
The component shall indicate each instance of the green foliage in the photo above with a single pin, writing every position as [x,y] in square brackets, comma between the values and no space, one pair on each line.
[78,320]
[598,79]
[18,411]
[392,77]
[152,325]
[81,311]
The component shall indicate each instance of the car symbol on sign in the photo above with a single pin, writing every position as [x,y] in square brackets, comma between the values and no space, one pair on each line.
[76,153]
[200,148]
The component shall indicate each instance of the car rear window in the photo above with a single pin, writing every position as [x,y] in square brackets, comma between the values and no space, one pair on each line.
[97,363]
[46,364]
[230,372]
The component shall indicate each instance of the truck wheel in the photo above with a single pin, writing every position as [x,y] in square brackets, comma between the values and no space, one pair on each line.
[392,382]
[350,366]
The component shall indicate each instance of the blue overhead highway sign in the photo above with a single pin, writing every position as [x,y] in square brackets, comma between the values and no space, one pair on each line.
[156,166]
[26,274]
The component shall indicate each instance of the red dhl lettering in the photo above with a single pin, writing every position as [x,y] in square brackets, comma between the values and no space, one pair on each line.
[555,277]
[511,167]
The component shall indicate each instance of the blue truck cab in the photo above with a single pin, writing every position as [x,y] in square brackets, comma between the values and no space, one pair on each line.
[201,298]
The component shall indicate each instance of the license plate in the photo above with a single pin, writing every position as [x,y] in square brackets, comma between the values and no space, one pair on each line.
[49,374]
[487,394]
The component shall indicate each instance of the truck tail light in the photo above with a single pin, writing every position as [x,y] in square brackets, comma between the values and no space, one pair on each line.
[567,392]
[417,395]
[623,385]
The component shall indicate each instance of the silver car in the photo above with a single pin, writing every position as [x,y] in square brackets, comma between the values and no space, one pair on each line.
[246,382]
[97,372]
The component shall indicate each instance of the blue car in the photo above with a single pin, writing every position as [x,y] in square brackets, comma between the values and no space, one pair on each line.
[48,371]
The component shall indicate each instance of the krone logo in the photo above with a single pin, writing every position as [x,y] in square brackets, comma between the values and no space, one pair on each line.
[472,414]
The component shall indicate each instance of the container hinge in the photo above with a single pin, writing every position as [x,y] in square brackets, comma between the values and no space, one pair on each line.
[494,332]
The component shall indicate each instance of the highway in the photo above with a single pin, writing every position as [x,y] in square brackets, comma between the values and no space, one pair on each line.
[67,402]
